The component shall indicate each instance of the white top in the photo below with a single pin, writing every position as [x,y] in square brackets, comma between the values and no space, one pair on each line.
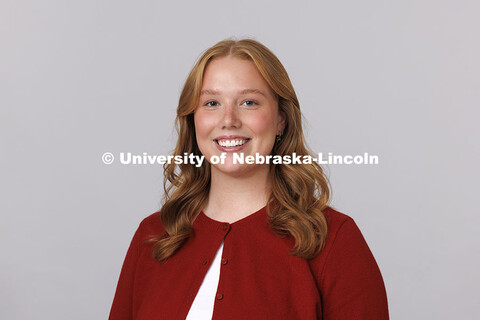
[202,306]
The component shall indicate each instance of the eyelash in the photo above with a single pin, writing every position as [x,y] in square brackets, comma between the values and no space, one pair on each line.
[254,102]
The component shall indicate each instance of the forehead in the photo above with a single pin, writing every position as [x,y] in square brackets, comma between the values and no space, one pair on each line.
[229,73]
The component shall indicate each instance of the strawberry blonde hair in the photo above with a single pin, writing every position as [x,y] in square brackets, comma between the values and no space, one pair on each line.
[299,192]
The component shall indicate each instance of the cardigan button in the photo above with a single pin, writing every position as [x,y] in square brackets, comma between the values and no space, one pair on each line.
[219,296]
[205,262]
[225,227]
[224,261]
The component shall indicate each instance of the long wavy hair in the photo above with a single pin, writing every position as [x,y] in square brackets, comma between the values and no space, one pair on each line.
[299,193]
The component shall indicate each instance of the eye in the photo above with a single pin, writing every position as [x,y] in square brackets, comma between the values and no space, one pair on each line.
[211,103]
[250,103]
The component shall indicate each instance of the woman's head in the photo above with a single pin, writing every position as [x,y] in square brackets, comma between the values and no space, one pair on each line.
[237,113]
[235,65]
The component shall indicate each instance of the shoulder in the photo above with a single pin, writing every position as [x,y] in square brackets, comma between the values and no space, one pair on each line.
[344,240]
[338,223]
[150,226]
[152,222]
[335,219]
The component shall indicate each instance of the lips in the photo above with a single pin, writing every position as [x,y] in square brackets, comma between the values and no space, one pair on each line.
[231,137]
[231,143]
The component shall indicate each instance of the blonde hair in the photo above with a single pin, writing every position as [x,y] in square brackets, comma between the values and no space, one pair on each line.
[299,192]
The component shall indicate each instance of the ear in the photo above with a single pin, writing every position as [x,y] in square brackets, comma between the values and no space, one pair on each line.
[281,121]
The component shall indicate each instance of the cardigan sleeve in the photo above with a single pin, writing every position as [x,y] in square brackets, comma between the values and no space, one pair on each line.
[351,283]
[122,308]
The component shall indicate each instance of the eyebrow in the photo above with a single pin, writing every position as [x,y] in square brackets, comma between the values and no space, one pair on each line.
[244,91]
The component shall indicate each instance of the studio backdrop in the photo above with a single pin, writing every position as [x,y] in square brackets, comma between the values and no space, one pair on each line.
[82,82]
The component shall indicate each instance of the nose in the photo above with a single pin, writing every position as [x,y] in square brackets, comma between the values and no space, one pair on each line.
[230,118]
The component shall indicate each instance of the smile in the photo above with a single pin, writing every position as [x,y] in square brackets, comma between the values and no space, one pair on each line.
[232,144]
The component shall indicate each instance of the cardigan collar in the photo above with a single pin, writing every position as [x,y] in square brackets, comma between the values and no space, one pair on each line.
[202,221]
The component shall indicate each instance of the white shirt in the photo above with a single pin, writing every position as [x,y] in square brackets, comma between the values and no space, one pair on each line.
[202,306]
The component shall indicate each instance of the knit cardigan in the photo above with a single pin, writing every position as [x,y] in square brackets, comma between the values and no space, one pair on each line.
[259,278]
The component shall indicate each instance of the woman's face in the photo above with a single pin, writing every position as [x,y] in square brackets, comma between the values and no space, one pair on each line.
[237,112]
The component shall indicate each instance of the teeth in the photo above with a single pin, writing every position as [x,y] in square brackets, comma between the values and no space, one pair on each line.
[231,143]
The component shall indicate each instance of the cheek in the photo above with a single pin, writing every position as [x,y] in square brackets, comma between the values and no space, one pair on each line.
[203,124]
[263,124]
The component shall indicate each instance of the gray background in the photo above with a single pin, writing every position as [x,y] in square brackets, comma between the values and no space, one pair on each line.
[399,79]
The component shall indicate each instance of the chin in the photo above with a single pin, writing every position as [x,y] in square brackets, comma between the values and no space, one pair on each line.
[235,170]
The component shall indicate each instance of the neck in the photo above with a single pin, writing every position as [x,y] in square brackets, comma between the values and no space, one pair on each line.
[232,198]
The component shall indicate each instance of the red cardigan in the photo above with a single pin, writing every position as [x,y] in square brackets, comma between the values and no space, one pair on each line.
[259,278]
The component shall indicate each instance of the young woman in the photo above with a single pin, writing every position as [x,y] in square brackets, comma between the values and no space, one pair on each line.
[240,240]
